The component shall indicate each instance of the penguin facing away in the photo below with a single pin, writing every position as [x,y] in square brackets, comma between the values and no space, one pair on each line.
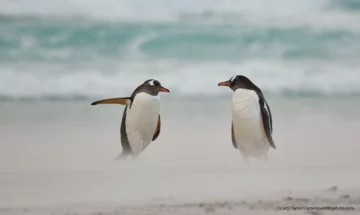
[141,121]
[251,128]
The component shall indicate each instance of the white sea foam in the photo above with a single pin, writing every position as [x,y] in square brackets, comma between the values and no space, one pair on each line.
[39,81]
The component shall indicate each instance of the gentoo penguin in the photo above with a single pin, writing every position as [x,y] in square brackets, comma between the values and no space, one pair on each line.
[141,118]
[251,128]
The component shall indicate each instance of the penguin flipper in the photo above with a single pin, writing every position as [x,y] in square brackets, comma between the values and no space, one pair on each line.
[157,130]
[233,136]
[121,101]
[267,121]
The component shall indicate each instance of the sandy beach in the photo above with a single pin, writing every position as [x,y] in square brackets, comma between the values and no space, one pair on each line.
[58,158]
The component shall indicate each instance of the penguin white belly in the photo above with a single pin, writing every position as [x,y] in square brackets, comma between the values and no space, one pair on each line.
[141,121]
[248,125]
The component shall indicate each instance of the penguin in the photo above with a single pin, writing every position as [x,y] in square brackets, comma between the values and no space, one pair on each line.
[252,124]
[141,121]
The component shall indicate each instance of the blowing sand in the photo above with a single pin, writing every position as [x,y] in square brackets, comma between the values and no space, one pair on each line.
[58,158]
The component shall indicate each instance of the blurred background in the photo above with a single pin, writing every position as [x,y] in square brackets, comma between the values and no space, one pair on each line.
[53,49]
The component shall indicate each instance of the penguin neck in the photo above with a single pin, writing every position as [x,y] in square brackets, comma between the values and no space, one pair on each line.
[244,87]
[144,98]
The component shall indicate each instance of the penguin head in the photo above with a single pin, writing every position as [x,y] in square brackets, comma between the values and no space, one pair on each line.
[239,81]
[152,87]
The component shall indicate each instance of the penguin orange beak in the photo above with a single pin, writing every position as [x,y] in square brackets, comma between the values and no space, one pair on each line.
[163,89]
[224,83]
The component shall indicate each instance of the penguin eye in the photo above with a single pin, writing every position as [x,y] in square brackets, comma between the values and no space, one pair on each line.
[232,79]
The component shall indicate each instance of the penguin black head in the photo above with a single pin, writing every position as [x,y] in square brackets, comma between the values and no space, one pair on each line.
[240,81]
[152,87]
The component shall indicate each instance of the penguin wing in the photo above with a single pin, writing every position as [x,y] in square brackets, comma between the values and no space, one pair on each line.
[157,130]
[267,120]
[233,136]
[121,101]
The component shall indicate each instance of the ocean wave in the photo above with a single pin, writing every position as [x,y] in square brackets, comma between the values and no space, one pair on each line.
[347,5]
[185,79]
[67,41]
[52,49]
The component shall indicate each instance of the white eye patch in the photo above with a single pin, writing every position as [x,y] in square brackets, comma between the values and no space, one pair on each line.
[151,83]
[232,79]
